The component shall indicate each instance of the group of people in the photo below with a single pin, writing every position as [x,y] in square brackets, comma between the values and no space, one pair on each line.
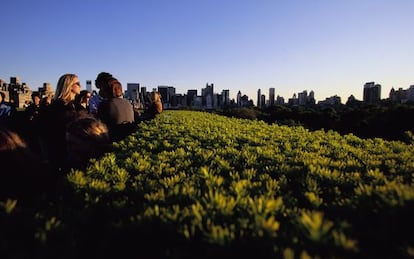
[76,126]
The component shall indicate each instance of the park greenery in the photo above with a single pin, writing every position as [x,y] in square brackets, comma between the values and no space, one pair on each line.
[191,184]
[386,120]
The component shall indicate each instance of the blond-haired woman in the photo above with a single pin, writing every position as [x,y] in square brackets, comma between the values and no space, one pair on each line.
[57,116]
[156,103]
[67,88]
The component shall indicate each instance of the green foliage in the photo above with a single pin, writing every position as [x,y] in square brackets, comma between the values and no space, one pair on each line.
[389,121]
[195,184]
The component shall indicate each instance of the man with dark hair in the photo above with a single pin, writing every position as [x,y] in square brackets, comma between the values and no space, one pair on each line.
[31,130]
[32,111]
[96,99]
[115,111]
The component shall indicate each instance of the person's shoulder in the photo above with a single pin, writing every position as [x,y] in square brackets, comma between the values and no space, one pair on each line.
[96,98]
[5,105]
[126,101]
[119,101]
[103,105]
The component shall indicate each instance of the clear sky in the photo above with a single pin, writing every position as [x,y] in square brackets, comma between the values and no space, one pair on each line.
[332,47]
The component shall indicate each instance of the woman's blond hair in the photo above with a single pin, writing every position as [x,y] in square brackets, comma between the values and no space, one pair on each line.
[63,89]
[156,97]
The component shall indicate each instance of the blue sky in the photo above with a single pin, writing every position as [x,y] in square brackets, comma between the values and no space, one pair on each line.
[332,47]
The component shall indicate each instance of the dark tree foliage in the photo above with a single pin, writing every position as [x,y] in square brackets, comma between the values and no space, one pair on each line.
[386,120]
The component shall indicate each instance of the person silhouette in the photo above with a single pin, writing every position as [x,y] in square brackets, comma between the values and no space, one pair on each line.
[115,111]
[56,116]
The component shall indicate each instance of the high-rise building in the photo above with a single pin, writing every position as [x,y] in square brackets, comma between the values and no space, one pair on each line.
[372,92]
[271,96]
[216,100]
[207,95]
[302,97]
[167,95]
[410,94]
[172,96]
[225,96]
[263,100]
[89,85]
[133,95]
[132,91]
[181,100]
[280,100]
[259,98]
[238,100]
[163,90]
[191,95]
[143,95]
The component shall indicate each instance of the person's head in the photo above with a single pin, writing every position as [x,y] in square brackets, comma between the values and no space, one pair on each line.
[36,98]
[155,97]
[9,141]
[14,150]
[86,137]
[67,88]
[112,89]
[83,98]
[27,177]
[46,100]
[101,79]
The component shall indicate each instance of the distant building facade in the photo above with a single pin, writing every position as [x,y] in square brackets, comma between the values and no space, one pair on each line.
[402,95]
[191,95]
[46,90]
[333,100]
[280,100]
[238,99]
[225,97]
[89,85]
[271,96]
[133,95]
[16,93]
[372,92]
[259,98]
[207,95]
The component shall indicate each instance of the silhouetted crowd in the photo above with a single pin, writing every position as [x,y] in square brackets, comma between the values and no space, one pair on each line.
[54,135]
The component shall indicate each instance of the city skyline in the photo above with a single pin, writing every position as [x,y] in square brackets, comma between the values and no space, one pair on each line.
[371,94]
[331,48]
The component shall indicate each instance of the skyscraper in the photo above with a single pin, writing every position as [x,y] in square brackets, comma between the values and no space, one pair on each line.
[89,85]
[207,95]
[259,98]
[191,95]
[225,95]
[271,96]
[372,92]
[132,91]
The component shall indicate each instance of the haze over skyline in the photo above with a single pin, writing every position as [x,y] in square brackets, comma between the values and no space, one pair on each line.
[330,47]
